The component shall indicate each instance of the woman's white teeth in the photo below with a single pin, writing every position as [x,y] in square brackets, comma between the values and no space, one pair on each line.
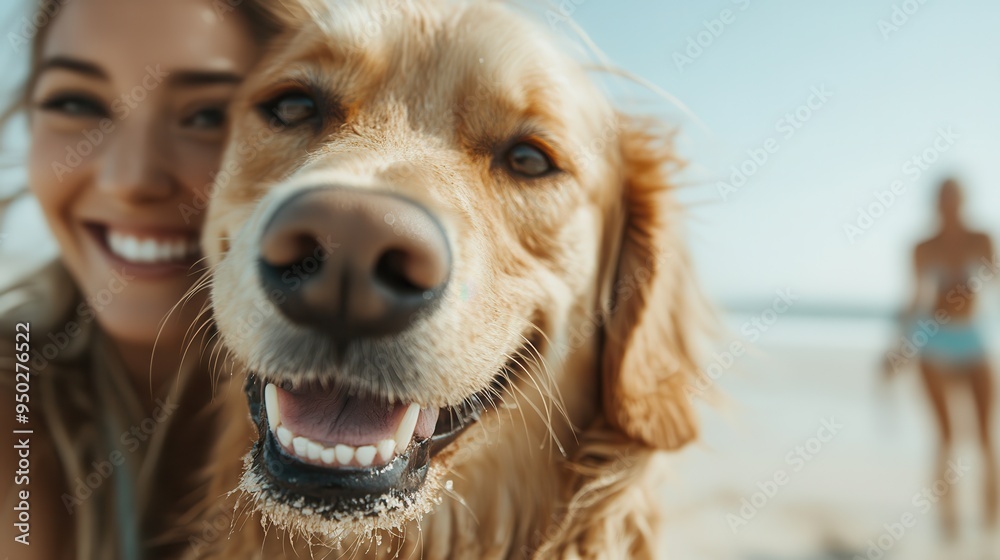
[148,250]
[404,433]
[340,454]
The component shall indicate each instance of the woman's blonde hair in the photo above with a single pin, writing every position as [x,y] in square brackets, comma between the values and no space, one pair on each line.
[85,394]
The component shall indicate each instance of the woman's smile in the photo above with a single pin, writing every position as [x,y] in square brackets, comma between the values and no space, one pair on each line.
[146,252]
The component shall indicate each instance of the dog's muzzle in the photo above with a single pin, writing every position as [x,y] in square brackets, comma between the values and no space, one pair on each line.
[350,266]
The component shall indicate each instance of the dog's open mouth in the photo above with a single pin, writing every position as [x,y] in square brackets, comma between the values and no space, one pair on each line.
[338,454]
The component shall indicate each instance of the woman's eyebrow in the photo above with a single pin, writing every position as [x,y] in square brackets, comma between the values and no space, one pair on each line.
[73,65]
[178,77]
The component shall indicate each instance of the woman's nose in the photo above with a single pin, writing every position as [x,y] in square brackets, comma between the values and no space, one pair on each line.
[135,163]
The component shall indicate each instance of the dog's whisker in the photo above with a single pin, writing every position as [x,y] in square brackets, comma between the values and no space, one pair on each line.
[202,326]
[499,395]
[184,299]
[229,356]
[215,355]
[537,410]
[206,310]
[215,360]
[205,327]
[548,390]
[190,340]
[551,385]
[546,403]
[159,333]
[553,391]
[511,388]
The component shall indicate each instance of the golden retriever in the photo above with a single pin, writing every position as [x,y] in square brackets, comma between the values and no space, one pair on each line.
[450,274]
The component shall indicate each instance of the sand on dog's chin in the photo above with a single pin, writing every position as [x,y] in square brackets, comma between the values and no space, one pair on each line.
[343,529]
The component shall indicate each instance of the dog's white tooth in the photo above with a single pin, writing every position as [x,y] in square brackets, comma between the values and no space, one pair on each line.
[386,447]
[271,405]
[345,453]
[404,433]
[301,446]
[284,436]
[314,450]
[328,455]
[365,455]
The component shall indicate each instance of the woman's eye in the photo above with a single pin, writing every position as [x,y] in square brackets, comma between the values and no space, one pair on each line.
[291,109]
[207,119]
[75,106]
[529,161]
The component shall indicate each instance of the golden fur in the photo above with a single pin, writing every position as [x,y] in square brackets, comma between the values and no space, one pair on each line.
[579,276]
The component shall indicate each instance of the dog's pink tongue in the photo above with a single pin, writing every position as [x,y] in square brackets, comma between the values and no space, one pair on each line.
[330,416]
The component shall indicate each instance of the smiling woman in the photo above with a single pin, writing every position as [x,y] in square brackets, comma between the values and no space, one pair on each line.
[126,106]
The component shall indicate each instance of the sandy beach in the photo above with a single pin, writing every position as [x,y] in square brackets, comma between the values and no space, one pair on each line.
[808,456]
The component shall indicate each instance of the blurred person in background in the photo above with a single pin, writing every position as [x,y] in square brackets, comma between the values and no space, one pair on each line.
[951,269]
[126,109]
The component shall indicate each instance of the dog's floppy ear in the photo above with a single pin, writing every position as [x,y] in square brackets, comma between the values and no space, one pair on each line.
[652,309]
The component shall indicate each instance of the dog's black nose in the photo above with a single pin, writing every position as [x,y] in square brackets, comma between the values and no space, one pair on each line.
[352,263]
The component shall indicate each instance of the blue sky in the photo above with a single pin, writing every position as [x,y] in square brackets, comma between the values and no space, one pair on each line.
[785,227]
[889,98]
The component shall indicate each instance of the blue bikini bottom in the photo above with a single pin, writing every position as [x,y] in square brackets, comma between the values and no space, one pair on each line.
[953,343]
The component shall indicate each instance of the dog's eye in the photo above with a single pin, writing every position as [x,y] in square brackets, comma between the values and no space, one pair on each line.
[291,109]
[529,161]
